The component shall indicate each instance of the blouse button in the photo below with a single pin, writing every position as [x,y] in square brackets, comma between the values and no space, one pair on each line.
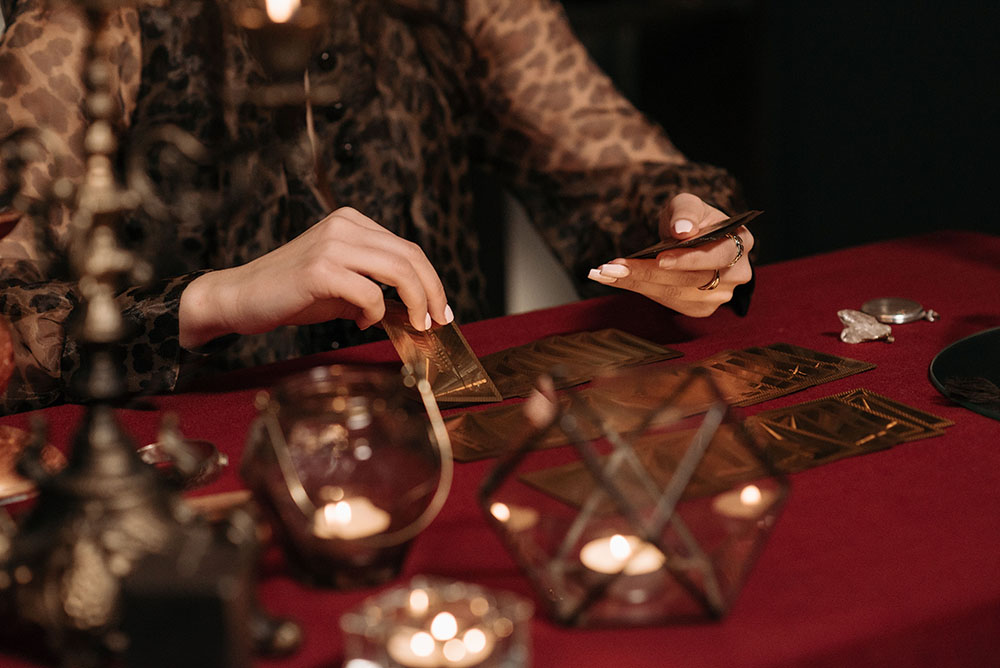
[346,154]
[326,61]
[334,112]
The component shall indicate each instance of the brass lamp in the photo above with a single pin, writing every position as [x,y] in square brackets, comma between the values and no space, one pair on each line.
[106,525]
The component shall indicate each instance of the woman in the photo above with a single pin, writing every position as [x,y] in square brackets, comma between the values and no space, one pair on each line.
[425,92]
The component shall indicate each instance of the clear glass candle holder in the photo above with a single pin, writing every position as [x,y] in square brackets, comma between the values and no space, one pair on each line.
[439,623]
[351,467]
[658,520]
[282,34]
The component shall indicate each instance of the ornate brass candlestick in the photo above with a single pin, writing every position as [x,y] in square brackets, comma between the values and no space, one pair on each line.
[106,510]
[107,524]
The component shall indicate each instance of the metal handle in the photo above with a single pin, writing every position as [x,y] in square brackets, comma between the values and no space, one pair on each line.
[439,437]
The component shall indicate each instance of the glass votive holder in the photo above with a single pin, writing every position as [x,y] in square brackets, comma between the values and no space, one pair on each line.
[282,34]
[439,623]
[657,523]
[350,468]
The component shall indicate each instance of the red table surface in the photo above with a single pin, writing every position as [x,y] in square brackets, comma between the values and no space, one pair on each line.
[892,558]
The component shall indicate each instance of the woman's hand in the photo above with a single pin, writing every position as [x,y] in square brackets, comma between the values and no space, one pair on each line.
[692,281]
[332,270]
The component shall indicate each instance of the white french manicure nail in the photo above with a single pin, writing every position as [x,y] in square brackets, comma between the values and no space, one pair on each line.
[427,322]
[614,270]
[596,275]
[449,315]
[683,226]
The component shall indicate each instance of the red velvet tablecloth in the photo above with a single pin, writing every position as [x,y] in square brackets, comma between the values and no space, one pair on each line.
[890,559]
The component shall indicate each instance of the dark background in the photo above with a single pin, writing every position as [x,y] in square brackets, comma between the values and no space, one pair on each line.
[846,122]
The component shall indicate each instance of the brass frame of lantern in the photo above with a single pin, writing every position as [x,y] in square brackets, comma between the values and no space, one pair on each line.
[604,469]
[98,517]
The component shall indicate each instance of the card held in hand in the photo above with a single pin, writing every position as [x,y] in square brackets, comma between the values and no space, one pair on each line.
[713,233]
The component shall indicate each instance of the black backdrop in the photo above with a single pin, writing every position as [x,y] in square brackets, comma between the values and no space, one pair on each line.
[847,122]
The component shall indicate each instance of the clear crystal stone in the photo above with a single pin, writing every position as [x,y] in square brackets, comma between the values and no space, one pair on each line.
[859,327]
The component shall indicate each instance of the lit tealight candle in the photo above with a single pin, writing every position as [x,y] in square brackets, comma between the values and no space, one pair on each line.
[442,647]
[515,518]
[618,553]
[747,503]
[281,11]
[419,602]
[444,626]
[349,519]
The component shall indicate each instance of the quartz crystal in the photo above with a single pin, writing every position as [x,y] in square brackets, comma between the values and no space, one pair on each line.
[860,327]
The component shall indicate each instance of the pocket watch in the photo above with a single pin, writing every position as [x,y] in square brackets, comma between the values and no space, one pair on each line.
[897,311]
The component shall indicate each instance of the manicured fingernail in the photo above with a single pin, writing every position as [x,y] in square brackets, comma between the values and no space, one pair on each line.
[596,275]
[614,270]
[427,321]
[449,315]
[683,226]
[667,262]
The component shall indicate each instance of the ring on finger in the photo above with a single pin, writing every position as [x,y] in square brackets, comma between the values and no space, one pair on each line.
[712,284]
[739,249]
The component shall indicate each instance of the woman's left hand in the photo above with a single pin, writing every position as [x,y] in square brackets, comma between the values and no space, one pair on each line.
[692,281]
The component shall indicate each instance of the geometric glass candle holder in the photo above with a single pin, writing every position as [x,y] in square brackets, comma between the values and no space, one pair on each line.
[654,523]
[441,623]
[350,469]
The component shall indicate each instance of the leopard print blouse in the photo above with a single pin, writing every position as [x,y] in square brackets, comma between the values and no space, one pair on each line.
[426,91]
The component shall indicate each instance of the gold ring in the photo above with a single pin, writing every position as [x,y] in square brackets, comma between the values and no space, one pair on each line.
[712,284]
[739,248]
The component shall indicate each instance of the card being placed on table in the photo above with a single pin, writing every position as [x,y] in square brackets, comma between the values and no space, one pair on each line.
[442,355]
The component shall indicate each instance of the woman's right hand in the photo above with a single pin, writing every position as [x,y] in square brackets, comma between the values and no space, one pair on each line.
[332,270]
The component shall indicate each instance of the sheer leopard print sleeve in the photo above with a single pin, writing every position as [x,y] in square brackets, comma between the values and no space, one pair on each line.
[40,59]
[591,170]
[47,355]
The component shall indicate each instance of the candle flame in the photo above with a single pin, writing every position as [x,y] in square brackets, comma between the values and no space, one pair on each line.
[479,606]
[620,548]
[422,644]
[337,513]
[280,11]
[419,601]
[444,626]
[750,495]
[500,511]
[503,627]
[454,650]
[475,641]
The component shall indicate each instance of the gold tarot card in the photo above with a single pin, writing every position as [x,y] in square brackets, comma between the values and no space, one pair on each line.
[443,355]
